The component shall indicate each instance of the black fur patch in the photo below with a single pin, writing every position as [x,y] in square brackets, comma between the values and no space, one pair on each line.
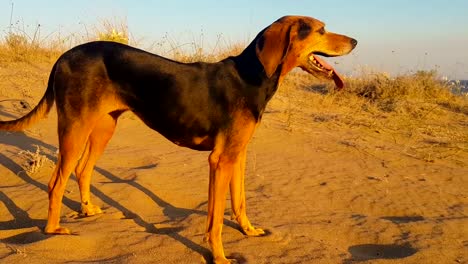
[304,30]
[261,43]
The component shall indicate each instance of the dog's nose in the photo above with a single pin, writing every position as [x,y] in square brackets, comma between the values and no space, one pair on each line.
[353,42]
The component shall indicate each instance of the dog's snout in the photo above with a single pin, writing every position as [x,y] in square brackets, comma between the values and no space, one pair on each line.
[353,43]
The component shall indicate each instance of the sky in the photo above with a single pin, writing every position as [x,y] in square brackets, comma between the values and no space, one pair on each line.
[396,37]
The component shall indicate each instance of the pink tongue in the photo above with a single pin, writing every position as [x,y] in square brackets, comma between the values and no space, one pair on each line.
[336,77]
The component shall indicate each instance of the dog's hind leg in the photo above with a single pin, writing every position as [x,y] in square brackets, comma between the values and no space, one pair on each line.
[95,146]
[72,140]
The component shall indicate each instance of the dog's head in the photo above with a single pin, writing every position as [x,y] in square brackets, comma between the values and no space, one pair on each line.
[298,41]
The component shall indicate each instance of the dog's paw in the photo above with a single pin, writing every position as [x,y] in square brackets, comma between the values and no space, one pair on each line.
[252,231]
[90,209]
[225,261]
[57,231]
[236,258]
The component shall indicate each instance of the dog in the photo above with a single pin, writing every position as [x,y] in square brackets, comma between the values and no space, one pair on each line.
[203,106]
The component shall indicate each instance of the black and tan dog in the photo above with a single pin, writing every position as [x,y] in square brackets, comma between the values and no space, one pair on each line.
[203,106]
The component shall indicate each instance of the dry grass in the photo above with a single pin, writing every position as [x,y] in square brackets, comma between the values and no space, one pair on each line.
[416,112]
[33,161]
[21,45]
[112,30]
[196,50]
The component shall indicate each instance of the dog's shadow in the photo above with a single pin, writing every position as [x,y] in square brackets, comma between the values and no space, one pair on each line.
[23,220]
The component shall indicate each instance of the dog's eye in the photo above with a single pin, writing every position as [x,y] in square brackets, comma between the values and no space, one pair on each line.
[321,31]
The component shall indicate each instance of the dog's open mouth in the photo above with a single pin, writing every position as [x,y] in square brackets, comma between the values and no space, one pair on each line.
[319,67]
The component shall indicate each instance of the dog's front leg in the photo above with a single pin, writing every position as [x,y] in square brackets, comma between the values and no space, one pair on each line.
[237,188]
[226,161]
[221,171]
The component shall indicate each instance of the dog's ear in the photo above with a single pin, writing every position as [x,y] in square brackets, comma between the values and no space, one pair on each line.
[272,45]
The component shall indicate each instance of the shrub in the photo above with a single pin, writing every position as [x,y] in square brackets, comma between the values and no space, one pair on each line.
[112,30]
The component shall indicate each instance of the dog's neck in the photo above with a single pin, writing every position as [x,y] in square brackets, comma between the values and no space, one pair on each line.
[252,73]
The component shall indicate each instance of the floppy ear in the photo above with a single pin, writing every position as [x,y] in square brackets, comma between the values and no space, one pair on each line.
[272,46]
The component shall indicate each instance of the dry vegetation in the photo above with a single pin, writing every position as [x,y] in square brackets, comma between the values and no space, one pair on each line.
[418,112]
[33,161]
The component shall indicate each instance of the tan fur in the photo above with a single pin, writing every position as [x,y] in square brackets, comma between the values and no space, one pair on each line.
[282,46]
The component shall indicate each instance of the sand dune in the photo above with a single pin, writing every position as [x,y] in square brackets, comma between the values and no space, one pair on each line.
[327,194]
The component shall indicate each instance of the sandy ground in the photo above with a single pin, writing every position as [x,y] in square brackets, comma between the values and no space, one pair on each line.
[327,194]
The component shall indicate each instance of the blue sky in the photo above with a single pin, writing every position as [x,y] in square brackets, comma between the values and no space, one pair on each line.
[395,36]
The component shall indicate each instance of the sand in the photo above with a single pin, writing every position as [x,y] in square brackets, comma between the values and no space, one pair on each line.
[326,193]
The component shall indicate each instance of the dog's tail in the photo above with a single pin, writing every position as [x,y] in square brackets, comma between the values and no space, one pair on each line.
[39,112]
